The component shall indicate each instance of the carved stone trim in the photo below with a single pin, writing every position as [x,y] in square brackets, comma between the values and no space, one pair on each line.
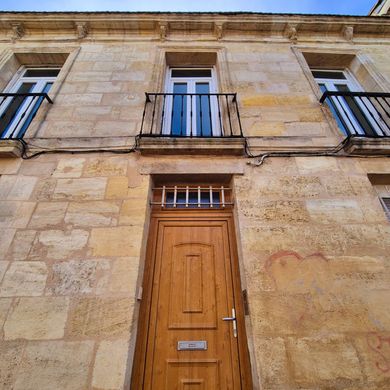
[218,30]
[291,32]
[163,30]
[17,31]
[348,33]
[82,29]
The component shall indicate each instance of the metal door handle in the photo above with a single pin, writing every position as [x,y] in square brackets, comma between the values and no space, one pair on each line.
[234,321]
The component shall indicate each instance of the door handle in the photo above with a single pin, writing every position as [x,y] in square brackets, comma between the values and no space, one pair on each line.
[233,319]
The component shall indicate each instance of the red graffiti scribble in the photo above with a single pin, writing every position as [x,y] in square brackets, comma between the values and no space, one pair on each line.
[376,342]
[281,258]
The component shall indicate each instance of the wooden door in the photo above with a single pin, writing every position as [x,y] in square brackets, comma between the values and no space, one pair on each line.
[188,345]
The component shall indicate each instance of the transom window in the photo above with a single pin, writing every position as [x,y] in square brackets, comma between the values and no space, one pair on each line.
[17,112]
[192,197]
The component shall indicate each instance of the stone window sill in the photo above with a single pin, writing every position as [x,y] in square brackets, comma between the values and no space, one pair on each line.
[201,146]
[10,148]
[366,145]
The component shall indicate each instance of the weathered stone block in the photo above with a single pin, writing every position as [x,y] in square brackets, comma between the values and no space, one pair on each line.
[133,212]
[48,214]
[49,365]
[11,353]
[7,236]
[334,211]
[37,319]
[79,277]
[104,317]
[58,244]
[116,241]
[80,189]
[110,365]
[94,213]
[113,166]
[22,188]
[15,214]
[21,244]
[124,275]
[331,359]
[272,363]
[5,304]
[9,166]
[310,165]
[24,279]
[117,187]
[69,168]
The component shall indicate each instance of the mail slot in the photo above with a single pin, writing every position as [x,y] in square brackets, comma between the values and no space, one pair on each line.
[192,345]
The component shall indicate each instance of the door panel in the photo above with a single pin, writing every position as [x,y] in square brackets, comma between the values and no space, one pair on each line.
[192,291]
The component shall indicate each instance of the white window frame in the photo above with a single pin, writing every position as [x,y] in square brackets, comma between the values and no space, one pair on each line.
[342,106]
[29,103]
[191,88]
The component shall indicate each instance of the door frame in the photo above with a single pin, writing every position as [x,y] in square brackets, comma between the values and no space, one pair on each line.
[139,362]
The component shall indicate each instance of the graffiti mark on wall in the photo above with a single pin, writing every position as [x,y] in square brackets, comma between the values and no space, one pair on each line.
[380,345]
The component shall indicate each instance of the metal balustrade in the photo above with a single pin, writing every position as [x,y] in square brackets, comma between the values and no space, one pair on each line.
[17,110]
[191,115]
[365,114]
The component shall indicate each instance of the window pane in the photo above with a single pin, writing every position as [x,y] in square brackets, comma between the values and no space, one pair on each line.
[193,199]
[191,72]
[33,112]
[203,110]
[179,110]
[41,72]
[335,111]
[14,107]
[356,110]
[324,74]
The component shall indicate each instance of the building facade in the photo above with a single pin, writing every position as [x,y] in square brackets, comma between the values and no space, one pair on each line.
[194,201]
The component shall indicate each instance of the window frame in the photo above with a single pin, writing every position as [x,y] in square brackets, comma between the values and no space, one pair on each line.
[16,128]
[191,127]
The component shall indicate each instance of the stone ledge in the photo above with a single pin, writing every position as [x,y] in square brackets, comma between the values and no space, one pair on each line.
[10,148]
[174,146]
[365,145]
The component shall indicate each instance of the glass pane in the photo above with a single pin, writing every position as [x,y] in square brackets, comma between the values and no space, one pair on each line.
[13,108]
[203,110]
[356,111]
[33,112]
[191,72]
[192,199]
[335,111]
[179,110]
[41,72]
[324,74]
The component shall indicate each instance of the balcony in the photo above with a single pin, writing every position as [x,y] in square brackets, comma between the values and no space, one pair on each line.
[364,116]
[17,110]
[191,123]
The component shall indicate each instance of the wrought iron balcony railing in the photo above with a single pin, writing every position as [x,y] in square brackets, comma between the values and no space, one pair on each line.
[191,115]
[365,114]
[17,110]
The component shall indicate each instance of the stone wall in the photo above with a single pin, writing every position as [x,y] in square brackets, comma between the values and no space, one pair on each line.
[71,231]
[313,239]
[315,249]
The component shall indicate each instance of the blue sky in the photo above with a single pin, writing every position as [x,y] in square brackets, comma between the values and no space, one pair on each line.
[344,7]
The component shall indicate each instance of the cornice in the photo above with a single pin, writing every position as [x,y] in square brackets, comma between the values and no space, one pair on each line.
[26,25]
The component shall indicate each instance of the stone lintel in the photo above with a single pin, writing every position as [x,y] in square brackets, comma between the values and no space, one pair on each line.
[364,145]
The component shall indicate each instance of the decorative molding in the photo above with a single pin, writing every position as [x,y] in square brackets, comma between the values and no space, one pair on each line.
[291,32]
[348,33]
[218,30]
[17,31]
[82,29]
[163,28]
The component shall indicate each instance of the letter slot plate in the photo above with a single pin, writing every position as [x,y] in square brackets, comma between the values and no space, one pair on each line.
[192,345]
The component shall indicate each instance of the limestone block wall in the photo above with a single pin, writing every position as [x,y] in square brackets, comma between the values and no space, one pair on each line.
[71,237]
[316,247]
